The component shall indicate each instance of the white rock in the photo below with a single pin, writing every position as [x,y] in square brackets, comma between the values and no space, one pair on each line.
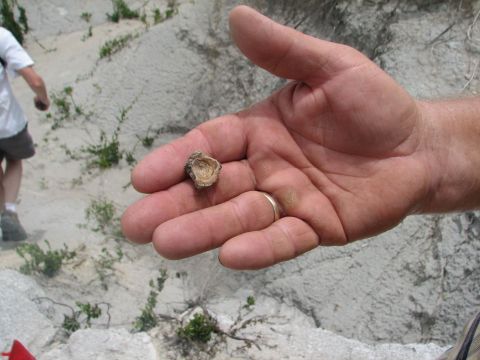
[102,344]
[302,343]
[20,317]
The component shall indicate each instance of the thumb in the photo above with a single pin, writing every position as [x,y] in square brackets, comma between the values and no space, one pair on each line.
[288,53]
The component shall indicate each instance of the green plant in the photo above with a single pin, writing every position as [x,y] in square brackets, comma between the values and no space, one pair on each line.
[64,108]
[250,302]
[157,16]
[115,45]
[106,154]
[76,182]
[104,265]
[122,11]
[82,317]
[199,329]
[89,33]
[148,319]
[46,262]
[102,213]
[43,183]
[22,19]
[86,16]
[90,311]
[172,9]
[130,158]
[146,140]
[18,27]
[160,281]
[70,323]
[143,19]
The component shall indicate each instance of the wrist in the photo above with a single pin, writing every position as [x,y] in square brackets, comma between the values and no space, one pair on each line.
[451,154]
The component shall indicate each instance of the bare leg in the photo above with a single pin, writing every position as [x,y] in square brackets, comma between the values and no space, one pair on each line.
[11,227]
[2,190]
[12,180]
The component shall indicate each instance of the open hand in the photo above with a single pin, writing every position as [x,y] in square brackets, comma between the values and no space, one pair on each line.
[339,148]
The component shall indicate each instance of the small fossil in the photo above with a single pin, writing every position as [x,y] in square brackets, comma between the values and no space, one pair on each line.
[203,169]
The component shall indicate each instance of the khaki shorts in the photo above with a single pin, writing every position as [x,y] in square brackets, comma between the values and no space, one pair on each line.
[17,147]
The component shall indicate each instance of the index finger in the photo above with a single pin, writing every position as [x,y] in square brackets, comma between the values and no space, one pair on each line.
[223,138]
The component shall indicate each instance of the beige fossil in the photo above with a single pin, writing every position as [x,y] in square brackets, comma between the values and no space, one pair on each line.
[202,169]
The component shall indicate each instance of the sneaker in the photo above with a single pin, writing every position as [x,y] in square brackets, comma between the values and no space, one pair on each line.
[468,346]
[12,230]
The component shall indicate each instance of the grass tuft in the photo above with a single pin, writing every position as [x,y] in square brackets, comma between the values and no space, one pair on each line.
[47,262]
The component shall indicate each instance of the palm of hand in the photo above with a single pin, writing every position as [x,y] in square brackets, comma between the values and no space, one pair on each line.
[338,156]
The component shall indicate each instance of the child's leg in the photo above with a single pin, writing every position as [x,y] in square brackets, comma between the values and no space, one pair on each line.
[12,180]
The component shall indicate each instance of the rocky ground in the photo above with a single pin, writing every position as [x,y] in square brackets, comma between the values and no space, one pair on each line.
[416,284]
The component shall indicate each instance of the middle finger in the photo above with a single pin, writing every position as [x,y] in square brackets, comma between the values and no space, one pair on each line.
[209,228]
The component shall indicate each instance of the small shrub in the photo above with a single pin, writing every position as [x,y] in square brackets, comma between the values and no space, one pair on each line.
[148,319]
[86,16]
[122,11]
[157,16]
[130,158]
[146,140]
[90,312]
[18,27]
[106,154]
[102,213]
[70,323]
[89,34]
[198,329]
[22,19]
[250,302]
[143,19]
[64,108]
[82,317]
[46,262]
[115,45]
[172,9]
[160,281]
[104,265]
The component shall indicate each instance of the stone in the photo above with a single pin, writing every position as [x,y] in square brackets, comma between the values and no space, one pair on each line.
[103,344]
[20,316]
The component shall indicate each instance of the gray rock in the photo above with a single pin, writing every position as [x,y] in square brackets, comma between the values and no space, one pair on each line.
[112,344]
[321,344]
[20,316]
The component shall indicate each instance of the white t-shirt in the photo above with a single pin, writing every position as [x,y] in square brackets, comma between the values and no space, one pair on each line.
[12,119]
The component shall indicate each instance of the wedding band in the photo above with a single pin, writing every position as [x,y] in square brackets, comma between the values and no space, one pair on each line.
[275,206]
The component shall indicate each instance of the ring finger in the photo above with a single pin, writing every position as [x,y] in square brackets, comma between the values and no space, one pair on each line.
[209,228]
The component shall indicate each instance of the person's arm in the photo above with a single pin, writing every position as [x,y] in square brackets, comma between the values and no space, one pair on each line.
[452,146]
[17,61]
[36,83]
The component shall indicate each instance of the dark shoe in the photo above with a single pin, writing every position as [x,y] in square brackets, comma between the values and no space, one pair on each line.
[12,230]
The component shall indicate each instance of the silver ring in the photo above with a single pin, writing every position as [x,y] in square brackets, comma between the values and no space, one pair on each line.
[275,206]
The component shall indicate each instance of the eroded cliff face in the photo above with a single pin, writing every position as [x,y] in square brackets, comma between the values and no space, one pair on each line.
[416,283]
